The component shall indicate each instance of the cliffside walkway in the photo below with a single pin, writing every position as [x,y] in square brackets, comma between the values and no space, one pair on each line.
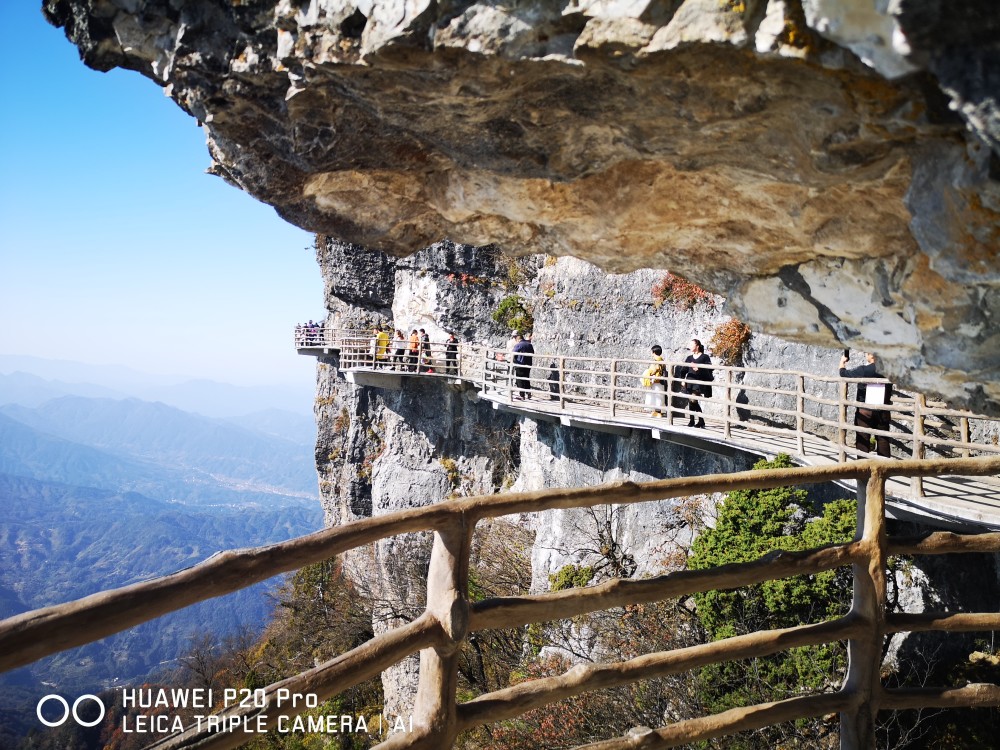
[755,410]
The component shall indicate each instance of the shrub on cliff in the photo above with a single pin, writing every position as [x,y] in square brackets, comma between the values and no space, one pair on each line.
[513,314]
[730,342]
[680,293]
[750,524]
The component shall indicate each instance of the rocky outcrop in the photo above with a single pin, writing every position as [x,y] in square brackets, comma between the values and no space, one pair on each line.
[381,450]
[830,166]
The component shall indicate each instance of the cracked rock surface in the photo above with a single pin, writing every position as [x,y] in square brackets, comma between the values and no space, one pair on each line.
[830,166]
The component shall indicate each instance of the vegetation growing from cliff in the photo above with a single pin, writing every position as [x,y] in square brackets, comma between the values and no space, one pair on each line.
[465,279]
[513,313]
[617,634]
[500,566]
[750,524]
[319,615]
[680,293]
[730,342]
[571,577]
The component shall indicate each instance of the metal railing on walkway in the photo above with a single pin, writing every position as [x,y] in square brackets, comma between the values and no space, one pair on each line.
[450,617]
[813,412]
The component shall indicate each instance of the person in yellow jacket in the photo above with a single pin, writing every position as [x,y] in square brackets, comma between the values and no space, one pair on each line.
[381,347]
[653,379]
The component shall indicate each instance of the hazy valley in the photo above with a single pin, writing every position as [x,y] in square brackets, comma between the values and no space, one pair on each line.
[98,492]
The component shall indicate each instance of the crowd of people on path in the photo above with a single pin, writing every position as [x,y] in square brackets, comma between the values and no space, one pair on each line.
[414,353]
[690,382]
[308,334]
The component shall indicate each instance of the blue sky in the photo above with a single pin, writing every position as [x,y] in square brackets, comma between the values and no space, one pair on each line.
[115,246]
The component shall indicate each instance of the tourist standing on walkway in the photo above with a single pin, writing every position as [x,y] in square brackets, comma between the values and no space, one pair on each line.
[864,416]
[381,347]
[522,351]
[515,336]
[399,350]
[425,351]
[653,380]
[697,374]
[451,354]
[414,351]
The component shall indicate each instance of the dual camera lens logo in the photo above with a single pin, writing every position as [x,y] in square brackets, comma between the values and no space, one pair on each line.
[67,711]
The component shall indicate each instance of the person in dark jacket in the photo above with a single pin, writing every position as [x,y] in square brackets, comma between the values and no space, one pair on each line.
[523,351]
[553,379]
[414,351]
[425,353]
[451,354]
[697,374]
[875,419]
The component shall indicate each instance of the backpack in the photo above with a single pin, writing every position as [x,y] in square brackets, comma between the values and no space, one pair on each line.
[654,376]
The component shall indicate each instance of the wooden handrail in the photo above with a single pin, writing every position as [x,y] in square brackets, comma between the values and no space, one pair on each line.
[727,723]
[324,681]
[449,616]
[508,612]
[514,701]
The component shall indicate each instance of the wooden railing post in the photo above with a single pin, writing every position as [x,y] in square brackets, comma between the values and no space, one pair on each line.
[434,713]
[963,423]
[562,382]
[670,394]
[487,376]
[614,384]
[841,421]
[919,404]
[800,408]
[864,655]
[509,362]
[726,430]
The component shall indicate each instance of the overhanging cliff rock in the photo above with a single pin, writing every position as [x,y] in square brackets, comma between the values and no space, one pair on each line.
[831,168]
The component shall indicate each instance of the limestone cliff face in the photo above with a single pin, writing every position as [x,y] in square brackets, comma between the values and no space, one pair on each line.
[381,450]
[376,446]
[829,166]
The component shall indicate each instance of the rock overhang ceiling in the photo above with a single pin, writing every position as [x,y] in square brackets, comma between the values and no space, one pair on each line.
[830,166]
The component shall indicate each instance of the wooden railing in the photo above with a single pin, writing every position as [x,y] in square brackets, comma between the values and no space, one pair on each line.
[450,617]
[795,404]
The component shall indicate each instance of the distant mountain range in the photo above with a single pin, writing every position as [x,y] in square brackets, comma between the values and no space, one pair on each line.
[59,543]
[30,381]
[99,489]
[138,438]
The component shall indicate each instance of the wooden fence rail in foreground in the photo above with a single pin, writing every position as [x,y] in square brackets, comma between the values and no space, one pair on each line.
[450,617]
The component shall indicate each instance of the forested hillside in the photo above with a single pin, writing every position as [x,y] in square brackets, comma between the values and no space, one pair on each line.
[97,493]
[59,542]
